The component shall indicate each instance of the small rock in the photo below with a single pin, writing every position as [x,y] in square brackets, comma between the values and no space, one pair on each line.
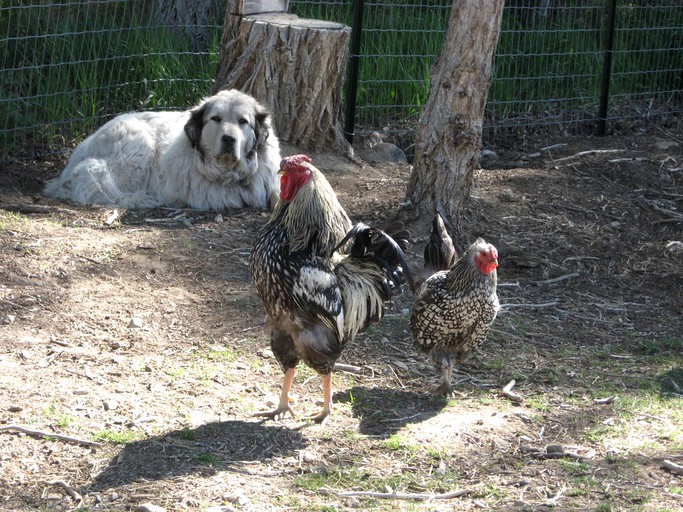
[265,353]
[384,152]
[508,196]
[554,448]
[675,247]
[237,498]
[110,405]
[401,365]
[135,322]
[487,153]
[221,508]
[308,456]
[9,319]
[665,145]
[148,507]
[615,224]
[352,502]
[405,311]
[119,345]
[218,218]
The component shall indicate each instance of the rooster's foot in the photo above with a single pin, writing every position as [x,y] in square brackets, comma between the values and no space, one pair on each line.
[321,417]
[278,413]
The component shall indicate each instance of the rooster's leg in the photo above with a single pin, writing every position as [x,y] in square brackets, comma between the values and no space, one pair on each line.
[283,407]
[327,400]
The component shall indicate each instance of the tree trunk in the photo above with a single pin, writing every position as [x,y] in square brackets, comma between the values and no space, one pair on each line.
[191,17]
[448,139]
[293,66]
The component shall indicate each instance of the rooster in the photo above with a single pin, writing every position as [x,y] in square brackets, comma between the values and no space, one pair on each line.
[319,293]
[456,307]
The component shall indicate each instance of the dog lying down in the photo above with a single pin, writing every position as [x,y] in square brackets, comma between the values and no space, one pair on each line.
[220,154]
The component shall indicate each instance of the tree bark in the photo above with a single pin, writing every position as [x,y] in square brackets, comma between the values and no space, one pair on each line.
[293,66]
[191,17]
[448,139]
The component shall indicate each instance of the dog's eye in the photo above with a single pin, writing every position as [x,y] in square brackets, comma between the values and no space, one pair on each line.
[242,121]
[216,118]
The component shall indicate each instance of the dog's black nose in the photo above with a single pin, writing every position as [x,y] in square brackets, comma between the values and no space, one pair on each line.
[228,141]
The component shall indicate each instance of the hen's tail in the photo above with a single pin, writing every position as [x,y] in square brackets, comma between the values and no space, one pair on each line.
[440,253]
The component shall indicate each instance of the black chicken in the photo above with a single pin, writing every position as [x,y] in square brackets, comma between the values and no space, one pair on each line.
[318,293]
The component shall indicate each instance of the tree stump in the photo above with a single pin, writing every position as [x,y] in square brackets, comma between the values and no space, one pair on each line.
[293,66]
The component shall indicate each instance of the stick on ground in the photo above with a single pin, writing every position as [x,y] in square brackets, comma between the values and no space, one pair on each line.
[41,434]
[406,496]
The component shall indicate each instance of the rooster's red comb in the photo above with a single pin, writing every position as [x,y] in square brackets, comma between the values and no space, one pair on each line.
[294,162]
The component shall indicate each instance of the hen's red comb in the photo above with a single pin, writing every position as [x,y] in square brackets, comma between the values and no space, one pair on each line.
[291,162]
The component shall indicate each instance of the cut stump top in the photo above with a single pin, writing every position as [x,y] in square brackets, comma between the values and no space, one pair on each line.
[285,19]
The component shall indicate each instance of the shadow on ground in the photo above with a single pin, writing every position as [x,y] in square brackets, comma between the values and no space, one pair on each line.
[205,450]
[383,412]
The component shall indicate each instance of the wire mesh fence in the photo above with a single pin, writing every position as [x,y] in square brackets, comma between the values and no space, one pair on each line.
[66,66]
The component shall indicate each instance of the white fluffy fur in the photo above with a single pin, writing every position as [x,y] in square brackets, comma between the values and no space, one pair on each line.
[220,154]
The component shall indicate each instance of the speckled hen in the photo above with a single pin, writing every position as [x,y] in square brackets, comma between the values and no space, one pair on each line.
[455,310]
[321,280]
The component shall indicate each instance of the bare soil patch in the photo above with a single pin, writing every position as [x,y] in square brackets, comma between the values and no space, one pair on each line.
[141,330]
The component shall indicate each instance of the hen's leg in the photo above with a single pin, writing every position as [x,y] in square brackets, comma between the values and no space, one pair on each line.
[327,400]
[283,407]
[443,362]
[446,388]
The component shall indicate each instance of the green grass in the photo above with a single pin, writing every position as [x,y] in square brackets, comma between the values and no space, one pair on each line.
[111,58]
[115,437]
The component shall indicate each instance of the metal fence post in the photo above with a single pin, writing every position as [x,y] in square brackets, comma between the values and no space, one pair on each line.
[354,59]
[607,68]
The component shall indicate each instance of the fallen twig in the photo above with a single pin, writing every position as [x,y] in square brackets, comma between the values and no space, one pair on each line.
[390,420]
[558,279]
[348,368]
[559,455]
[508,393]
[35,208]
[41,434]
[673,467]
[509,285]
[632,159]
[69,490]
[522,305]
[406,496]
[545,150]
[589,152]
[602,401]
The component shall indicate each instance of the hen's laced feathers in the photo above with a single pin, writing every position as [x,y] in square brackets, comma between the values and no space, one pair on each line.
[456,307]
[314,219]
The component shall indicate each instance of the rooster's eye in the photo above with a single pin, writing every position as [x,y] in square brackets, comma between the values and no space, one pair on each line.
[216,118]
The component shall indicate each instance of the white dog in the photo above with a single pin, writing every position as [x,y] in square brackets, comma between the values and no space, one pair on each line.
[220,154]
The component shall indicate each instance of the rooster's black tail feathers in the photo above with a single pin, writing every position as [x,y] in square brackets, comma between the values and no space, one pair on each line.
[384,250]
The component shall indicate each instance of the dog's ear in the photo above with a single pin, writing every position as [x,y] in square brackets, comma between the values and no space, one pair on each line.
[262,128]
[194,127]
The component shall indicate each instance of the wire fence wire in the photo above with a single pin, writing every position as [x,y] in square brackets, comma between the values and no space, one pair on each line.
[67,66]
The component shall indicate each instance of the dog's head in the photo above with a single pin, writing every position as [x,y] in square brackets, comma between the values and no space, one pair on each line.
[227,130]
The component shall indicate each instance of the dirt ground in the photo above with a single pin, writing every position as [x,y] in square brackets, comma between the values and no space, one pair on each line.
[138,334]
